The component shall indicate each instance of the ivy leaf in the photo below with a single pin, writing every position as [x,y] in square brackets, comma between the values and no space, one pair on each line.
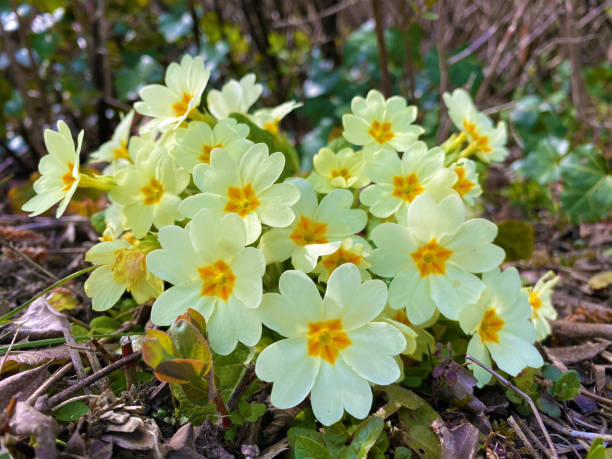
[307,448]
[567,386]
[544,164]
[71,412]
[587,185]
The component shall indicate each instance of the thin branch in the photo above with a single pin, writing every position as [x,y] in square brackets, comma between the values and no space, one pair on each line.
[500,51]
[315,17]
[524,396]
[443,125]
[382,49]
[522,436]
[49,382]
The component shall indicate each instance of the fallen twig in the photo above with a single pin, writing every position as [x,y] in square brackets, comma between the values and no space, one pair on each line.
[522,436]
[524,396]
[581,330]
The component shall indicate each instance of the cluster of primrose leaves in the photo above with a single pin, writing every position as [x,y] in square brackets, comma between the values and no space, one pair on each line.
[203,199]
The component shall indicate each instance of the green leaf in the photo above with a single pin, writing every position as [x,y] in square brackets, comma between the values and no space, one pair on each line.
[71,412]
[516,238]
[257,410]
[567,386]
[275,143]
[103,324]
[181,371]
[190,343]
[306,448]
[417,433]
[402,453]
[195,412]
[157,347]
[364,438]
[544,164]
[587,185]
[598,450]
[551,372]
[546,404]
[295,432]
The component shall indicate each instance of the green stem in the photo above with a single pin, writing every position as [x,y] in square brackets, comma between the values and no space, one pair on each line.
[51,341]
[454,142]
[99,182]
[469,151]
[18,309]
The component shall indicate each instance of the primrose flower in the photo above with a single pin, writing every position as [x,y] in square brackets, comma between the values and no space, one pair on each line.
[353,250]
[214,273]
[397,182]
[418,340]
[245,186]
[270,118]
[333,349]
[173,103]
[377,123]
[542,309]
[59,172]
[195,142]
[467,180]
[499,323]
[234,97]
[317,229]
[148,191]
[122,266]
[338,170]
[488,142]
[115,151]
[431,256]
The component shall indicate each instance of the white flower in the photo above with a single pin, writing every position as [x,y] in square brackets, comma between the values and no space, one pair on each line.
[148,191]
[499,321]
[115,151]
[377,123]
[397,182]
[317,229]
[487,141]
[234,97]
[467,180]
[333,349]
[354,250]
[122,267]
[172,104]
[59,172]
[195,142]
[214,273]
[542,309]
[270,118]
[245,186]
[338,170]
[431,256]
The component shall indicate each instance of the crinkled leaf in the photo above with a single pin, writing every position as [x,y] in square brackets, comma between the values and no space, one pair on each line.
[567,386]
[190,343]
[307,448]
[195,318]
[587,185]
[516,238]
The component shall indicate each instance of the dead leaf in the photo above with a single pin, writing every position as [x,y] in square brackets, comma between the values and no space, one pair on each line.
[41,320]
[29,421]
[21,385]
[574,354]
[462,441]
[600,281]
[16,360]
[182,443]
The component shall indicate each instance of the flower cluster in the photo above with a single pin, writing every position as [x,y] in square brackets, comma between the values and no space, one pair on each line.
[359,259]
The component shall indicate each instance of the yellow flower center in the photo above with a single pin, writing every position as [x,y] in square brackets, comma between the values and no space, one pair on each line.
[272,126]
[407,188]
[344,173]
[326,339]
[463,185]
[218,280]
[242,201]
[481,141]
[308,232]
[400,316]
[535,301]
[206,149]
[381,132]
[339,257]
[431,258]
[129,267]
[490,325]
[152,192]
[182,106]
[68,178]
[121,152]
